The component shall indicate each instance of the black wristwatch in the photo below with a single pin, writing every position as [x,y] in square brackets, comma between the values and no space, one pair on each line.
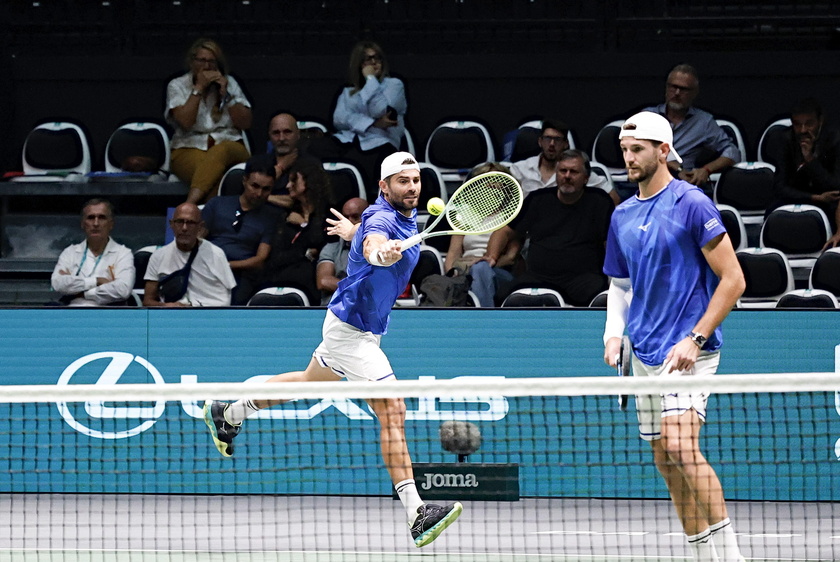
[698,339]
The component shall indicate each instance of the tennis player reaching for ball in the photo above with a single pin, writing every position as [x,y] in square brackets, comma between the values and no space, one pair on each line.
[668,245]
[357,317]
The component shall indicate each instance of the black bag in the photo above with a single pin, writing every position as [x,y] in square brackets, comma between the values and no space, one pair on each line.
[445,290]
[173,287]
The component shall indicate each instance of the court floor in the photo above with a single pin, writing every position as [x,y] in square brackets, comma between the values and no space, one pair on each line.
[154,528]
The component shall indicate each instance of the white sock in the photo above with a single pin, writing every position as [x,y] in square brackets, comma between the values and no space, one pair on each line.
[407,491]
[726,543]
[239,410]
[702,547]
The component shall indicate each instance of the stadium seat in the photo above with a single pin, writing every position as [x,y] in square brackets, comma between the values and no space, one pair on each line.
[455,147]
[734,133]
[141,262]
[734,225]
[279,296]
[808,298]
[605,150]
[748,187]
[768,276]
[533,297]
[55,150]
[800,231]
[772,141]
[231,182]
[137,139]
[600,300]
[825,274]
[346,181]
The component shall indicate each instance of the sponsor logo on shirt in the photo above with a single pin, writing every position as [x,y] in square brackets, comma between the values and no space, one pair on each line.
[644,227]
[712,223]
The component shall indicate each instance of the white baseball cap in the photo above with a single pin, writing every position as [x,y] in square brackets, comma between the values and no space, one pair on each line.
[398,162]
[647,125]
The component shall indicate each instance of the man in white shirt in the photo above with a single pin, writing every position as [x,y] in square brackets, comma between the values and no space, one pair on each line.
[538,172]
[210,279]
[98,271]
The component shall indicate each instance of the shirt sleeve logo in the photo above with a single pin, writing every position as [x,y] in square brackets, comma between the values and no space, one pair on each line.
[711,224]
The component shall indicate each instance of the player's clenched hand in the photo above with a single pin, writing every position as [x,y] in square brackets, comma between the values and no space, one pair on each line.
[611,351]
[390,252]
[682,356]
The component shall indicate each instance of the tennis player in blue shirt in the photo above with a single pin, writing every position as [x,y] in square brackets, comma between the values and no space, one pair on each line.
[675,277]
[357,317]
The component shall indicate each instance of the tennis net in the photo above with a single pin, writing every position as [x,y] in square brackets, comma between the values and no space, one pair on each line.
[547,469]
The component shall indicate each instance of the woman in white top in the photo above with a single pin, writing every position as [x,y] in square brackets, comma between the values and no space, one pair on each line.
[208,110]
[369,113]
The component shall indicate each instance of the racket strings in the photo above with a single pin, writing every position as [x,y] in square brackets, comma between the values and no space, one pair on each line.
[486,203]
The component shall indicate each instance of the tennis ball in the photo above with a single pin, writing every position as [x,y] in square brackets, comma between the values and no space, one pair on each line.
[435,206]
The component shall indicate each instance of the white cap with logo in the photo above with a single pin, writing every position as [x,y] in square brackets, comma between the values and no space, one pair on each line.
[647,125]
[398,162]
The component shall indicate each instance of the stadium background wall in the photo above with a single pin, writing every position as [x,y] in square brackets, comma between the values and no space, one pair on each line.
[595,454]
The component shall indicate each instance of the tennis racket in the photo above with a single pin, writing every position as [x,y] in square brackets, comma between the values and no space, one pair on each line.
[481,205]
[622,365]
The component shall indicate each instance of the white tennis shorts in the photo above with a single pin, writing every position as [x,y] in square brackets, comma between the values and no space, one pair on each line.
[650,409]
[350,352]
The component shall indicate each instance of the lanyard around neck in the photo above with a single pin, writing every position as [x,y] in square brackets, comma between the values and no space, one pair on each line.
[84,257]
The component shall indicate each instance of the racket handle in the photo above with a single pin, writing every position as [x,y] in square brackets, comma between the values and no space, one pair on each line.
[411,241]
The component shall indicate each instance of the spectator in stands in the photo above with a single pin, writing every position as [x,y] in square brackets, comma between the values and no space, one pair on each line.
[242,226]
[540,171]
[332,261]
[808,172]
[208,111]
[98,271]
[465,253]
[301,232]
[368,116]
[567,229]
[705,147]
[284,136]
[188,271]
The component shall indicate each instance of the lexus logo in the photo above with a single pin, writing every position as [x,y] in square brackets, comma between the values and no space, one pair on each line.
[97,410]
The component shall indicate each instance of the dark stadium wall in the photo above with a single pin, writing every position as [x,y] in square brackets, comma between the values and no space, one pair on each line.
[587,90]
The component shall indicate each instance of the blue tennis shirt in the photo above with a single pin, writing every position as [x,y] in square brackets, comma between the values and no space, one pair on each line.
[657,243]
[365,297]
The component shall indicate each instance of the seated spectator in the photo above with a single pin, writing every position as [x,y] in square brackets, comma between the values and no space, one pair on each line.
[301,233]
[566,228]
[188,271]
[465,253]
[368,116]
[284,136]
[208,111]
[332,261]
[808,172]
[98,271]
[540,171]
[243,226]
[705,147]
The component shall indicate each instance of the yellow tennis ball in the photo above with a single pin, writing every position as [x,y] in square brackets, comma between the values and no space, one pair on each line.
[435,206]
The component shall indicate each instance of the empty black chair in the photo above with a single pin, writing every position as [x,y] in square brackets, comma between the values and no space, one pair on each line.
[533,297]
[456,147]
[825,274]
[148,140]
[808,298]
[279,296]
[748,187]
[734,225]
[768,276]
[346,182]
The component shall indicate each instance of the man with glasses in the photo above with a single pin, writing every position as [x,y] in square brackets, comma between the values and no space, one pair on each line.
[538,172]
[242,226]
[201,270]
[705,148]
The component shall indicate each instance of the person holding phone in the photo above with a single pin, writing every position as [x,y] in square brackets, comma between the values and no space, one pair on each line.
[208,111]
[369,114]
